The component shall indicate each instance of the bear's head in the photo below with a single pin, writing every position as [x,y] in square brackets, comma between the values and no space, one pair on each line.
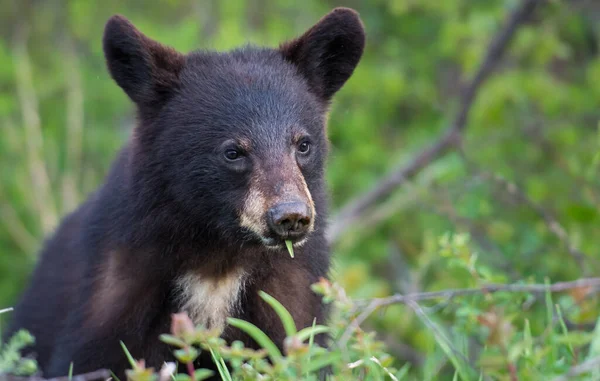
[234,144]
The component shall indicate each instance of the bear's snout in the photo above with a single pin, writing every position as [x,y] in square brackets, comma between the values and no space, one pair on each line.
[290,220]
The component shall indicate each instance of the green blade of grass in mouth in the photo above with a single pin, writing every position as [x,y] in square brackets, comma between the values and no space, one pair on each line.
[290,248]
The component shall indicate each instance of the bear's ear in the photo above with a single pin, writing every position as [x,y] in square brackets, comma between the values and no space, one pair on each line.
[327,53]
[145,69]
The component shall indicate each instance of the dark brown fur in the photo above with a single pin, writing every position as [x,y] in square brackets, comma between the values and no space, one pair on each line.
[176,214]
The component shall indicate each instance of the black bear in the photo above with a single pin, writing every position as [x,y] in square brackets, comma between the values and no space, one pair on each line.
[225,164]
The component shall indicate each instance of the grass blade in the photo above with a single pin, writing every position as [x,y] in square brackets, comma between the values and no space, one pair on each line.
[114,376]
[310,343]
[284,315]
[129,356]
[565,331]
[310,332]
[290,247]
[221,367]
[323,361]
[259,336]
[457,359]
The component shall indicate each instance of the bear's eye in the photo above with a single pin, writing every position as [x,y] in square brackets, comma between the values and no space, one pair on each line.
[232,154]
[304,147]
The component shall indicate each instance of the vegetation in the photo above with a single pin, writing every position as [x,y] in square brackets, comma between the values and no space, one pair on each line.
[509,207]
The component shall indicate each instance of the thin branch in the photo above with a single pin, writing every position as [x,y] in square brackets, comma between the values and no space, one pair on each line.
[591,283]
[354,210]
[355,324]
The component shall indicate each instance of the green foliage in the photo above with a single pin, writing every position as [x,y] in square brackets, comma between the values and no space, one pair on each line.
[303,359]
[511,207]
[11,361]
[496,324]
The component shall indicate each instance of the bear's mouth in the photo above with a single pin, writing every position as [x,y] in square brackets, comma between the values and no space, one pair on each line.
[273,241]
[278,243]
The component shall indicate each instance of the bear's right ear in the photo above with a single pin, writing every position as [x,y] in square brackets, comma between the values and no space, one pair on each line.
[327,54]
[145,69]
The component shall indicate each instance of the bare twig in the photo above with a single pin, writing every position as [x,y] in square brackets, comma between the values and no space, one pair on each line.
[590,365]
[354,210]
[593,284]
[355,324]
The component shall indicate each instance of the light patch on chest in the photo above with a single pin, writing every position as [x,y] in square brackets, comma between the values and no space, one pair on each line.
[210,300]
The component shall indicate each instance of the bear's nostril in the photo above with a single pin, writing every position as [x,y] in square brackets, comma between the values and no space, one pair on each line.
[287,224]
[289,220]
[302,222]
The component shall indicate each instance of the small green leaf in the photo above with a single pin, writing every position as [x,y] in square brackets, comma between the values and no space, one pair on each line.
[284,315]
[70,375]
[186,355]
[259,336]
[322,362]
[182,377]
[202,374]
[172,340]
[290,247]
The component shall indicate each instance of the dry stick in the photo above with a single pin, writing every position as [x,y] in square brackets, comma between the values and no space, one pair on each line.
[354,210]
[592,283]
[374,304]
[355,324]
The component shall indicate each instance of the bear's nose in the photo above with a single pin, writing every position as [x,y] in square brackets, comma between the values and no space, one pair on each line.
[289,220]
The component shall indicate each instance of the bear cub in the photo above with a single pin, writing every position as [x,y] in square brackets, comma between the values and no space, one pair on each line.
[225,164]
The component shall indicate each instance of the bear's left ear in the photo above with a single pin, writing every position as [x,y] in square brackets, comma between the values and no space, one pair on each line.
[145,69]
[327,53]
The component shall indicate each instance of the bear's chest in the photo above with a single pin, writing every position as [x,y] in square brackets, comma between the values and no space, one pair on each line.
[210,300]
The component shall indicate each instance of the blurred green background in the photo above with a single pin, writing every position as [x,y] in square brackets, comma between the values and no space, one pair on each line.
[535,125]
